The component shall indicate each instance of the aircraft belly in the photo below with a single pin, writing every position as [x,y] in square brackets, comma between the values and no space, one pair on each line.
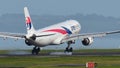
[44,41]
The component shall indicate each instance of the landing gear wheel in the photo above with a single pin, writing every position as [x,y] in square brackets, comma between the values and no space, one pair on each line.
[68,49]
[71,49]
[35,50]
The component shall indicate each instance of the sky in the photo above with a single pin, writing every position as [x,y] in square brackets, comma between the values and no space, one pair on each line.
[62,7]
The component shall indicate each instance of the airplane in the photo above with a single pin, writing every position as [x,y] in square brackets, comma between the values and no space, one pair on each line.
[64,32]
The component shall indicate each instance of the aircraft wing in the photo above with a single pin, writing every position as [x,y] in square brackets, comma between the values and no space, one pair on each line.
[18,35]
[12,35]
[93,35]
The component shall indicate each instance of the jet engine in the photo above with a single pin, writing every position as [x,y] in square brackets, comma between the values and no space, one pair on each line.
[30,39]
[87,41]
[28,42]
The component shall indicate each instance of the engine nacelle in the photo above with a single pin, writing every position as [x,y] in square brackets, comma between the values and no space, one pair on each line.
[28,42]
[30,39]
[87,41]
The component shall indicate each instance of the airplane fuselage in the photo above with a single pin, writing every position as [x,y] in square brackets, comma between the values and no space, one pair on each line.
[56,33]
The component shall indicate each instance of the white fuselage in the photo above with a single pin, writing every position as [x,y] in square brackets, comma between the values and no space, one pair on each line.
[56,33]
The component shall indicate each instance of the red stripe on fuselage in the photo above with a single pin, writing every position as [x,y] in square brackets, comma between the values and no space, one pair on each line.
[56,30]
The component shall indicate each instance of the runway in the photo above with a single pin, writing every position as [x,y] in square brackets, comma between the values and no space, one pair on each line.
[98,54]
[58,54]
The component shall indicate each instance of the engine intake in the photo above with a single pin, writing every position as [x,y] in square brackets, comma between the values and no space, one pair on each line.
[87,41]
[30,40]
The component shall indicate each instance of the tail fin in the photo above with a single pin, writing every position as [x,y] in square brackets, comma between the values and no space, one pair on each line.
[29,25]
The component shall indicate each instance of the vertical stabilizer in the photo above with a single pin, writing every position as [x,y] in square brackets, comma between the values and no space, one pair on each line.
[29,25]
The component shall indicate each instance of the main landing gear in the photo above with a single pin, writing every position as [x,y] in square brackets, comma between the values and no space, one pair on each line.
[36,50]
[68,48]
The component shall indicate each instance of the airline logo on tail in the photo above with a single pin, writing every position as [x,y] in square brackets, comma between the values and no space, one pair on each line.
[28,23]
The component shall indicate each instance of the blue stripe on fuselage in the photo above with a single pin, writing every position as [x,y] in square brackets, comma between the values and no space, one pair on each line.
[67,30]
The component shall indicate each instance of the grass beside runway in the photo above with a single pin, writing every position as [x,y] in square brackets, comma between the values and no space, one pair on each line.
[59,62]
